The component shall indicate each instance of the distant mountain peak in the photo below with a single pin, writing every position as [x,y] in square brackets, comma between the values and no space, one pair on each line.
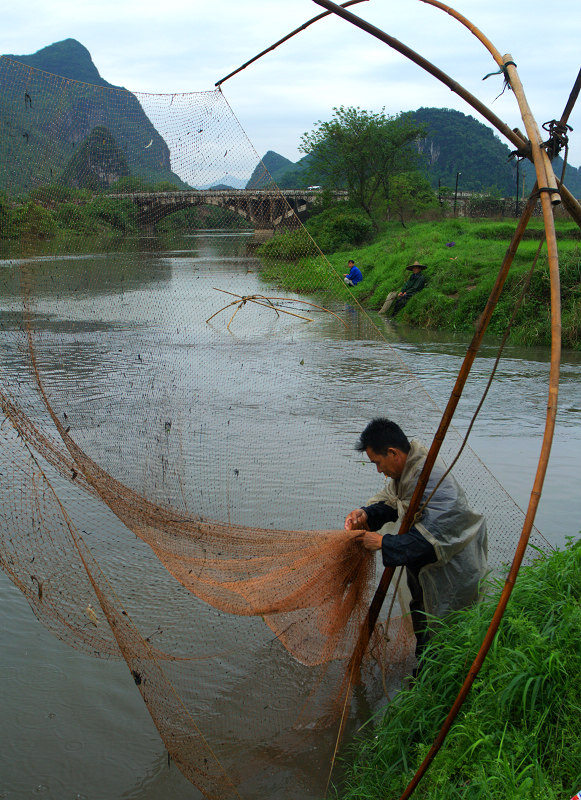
[68,58]
[271,162]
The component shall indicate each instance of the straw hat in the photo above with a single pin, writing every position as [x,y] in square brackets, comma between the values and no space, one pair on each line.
[416,264]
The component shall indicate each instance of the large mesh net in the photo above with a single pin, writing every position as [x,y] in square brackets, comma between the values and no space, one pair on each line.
[177,436]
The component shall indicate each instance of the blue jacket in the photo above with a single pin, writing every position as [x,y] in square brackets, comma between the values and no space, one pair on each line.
[354,275]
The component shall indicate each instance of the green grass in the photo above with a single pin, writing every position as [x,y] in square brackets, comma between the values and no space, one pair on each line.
[518,733]
[461,275]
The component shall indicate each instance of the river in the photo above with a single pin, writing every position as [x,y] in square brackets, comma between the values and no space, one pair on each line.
[75,727]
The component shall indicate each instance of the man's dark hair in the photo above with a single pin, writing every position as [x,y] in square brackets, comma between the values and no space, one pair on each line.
[381,434]
[350,261]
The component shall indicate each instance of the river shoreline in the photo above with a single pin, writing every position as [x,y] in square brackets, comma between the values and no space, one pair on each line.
[463,257]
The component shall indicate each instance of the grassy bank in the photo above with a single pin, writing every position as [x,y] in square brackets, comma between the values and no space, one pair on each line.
[518,733]
[463,257]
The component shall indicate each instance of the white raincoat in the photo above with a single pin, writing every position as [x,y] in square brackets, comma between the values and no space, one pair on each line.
[457,534]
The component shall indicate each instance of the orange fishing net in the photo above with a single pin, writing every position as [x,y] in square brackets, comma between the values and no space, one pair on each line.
[173,489]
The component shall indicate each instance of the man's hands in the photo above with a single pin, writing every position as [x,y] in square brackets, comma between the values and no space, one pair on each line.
[356,520]
[371,540]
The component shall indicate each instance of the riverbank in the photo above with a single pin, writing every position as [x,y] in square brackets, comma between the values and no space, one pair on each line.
[517,734]
[463,257]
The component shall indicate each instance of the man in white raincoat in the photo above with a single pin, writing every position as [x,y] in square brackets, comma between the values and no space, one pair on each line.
[445,552]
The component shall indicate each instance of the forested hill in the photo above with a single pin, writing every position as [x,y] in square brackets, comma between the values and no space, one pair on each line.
[269,164]
[36,147]
[458,143]
[454,143]
[68,58]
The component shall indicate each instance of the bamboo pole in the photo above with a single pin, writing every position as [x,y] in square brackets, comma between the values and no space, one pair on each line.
[572,100]
[284,39]
[529,517]
[571,204]
[407,521]
[515,137]
[368,626]
[547,185]
[544,172]
[472,28]
[545,175]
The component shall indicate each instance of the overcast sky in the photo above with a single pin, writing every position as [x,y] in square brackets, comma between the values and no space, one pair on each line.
[187,45]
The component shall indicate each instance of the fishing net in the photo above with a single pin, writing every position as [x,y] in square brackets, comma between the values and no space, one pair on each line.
[177,442]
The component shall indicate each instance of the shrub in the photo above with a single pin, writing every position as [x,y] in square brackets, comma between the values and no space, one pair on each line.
[52,193]
[33,221]
[287,246]
[118,213]
[70,216]
[339,228]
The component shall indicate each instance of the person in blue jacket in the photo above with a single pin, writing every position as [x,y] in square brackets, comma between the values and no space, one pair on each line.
[354,276]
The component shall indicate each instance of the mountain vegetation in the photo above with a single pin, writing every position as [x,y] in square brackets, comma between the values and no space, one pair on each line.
[270,164]
[97,164]
[452,143]
[457,143]
[37,145]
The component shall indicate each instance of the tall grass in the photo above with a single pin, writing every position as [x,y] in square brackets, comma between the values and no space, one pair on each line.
[518,734]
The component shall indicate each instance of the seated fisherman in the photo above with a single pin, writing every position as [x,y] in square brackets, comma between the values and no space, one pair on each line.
[445,551]
[354,276]
[413,285]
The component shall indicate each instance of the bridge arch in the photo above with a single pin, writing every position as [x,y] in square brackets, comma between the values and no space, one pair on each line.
[262,208]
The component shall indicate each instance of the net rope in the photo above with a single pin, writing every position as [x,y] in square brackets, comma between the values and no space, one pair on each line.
[172,490]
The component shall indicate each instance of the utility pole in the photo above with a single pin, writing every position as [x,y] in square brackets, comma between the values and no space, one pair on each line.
[456,191]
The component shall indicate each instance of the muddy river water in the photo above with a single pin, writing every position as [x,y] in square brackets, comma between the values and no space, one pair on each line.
[75,727]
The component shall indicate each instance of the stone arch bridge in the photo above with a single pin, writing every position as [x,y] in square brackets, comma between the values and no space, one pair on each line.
[263,209]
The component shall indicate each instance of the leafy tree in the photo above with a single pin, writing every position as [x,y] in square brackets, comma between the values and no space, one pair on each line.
[410,194]
[360,150]
[118,213]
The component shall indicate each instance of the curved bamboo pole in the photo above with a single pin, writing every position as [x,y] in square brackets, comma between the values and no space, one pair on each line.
[545,176]
[547,186]
[514,136]
[407,521]
[544,171]
[472,28]
[527,525]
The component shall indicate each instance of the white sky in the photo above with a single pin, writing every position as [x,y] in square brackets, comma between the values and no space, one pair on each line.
[187,45]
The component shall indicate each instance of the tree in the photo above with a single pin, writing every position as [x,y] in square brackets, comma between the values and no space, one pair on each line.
[360,150]
[410,194]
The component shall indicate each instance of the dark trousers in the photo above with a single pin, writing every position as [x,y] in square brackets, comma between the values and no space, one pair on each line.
[418,611]
[399,303]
